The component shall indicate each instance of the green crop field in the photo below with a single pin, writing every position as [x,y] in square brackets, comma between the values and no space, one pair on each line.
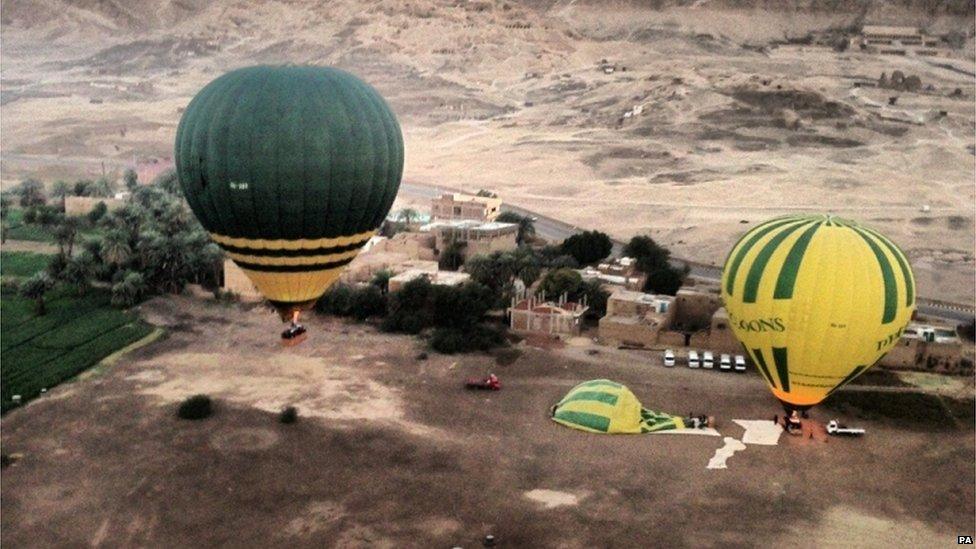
[22,264]
[18,230]
[41,351]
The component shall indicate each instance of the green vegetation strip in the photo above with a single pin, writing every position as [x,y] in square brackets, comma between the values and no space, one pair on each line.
[22,263]
[43,351]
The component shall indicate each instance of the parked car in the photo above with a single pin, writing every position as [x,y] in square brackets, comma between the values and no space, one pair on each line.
[708,361]
[725,362]
[693,361]
[740,363]
[669,358]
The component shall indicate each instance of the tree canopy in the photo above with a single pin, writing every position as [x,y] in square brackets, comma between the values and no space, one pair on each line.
[587,247]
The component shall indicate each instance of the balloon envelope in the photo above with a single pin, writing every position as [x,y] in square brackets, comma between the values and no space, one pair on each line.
[816,301]
[292,170]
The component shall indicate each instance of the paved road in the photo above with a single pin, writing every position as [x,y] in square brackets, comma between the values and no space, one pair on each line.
[556,231]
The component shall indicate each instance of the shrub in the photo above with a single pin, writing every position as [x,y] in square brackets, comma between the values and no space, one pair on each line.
[289,414]
[195,407]
[337,301]
[473,338]
[561,281]
[587,247]
[97,212]
[31,193]
[368,301]
[452,257]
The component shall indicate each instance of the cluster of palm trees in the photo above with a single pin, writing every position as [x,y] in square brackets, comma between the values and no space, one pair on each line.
[152,244]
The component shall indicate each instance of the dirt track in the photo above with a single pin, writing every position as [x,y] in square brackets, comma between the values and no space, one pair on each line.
[391,452]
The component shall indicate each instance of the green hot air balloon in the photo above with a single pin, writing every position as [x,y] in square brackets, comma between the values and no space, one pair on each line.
[291,169]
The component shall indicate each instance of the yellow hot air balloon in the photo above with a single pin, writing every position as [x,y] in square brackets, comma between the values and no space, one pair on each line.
[816,300]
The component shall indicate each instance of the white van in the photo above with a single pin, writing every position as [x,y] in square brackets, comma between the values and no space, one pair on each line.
[693,359]
[725,362]
[669,358]
[708,361]
[740,363]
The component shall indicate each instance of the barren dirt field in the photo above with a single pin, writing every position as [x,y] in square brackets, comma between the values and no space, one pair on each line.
[701,130]
[390,451]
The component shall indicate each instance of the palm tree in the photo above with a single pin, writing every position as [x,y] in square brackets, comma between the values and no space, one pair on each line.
[115,248]
[35,287]
[131,179]
[526,226]
[61,189]
[79,271]
[381,279]
[65,233]
[103,187]
[408,215]
[129,290]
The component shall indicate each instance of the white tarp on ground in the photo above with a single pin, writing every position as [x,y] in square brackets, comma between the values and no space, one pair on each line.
[760,431]
[732,445]
[706,431]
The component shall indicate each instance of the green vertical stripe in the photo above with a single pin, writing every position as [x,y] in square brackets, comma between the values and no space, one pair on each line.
[788,273]
[757,234]
[593,421]
[854,373]
[762,259]
[887,274]
[757,355]
[902,264]
[782,367]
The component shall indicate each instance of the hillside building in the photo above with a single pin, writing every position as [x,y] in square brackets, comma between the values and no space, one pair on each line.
[635,318]
[454,206]
[479,237]
[931,348]
[898,40]
[82,205]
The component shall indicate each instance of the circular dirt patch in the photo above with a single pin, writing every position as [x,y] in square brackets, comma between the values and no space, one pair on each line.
[246,440]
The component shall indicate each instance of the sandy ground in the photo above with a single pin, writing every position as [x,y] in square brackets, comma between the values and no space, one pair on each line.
[391,451]
[511,97]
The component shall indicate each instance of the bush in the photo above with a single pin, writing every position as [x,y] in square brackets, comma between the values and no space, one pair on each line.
[367,301]
[452,257]
[587,247]
[97,212]
[55,267]
[289,414]
[337,301]
[561,281]
[195,407]
[473,338]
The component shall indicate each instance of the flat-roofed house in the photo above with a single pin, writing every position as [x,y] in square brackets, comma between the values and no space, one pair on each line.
[635,318]
[452,206]
[479,237]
